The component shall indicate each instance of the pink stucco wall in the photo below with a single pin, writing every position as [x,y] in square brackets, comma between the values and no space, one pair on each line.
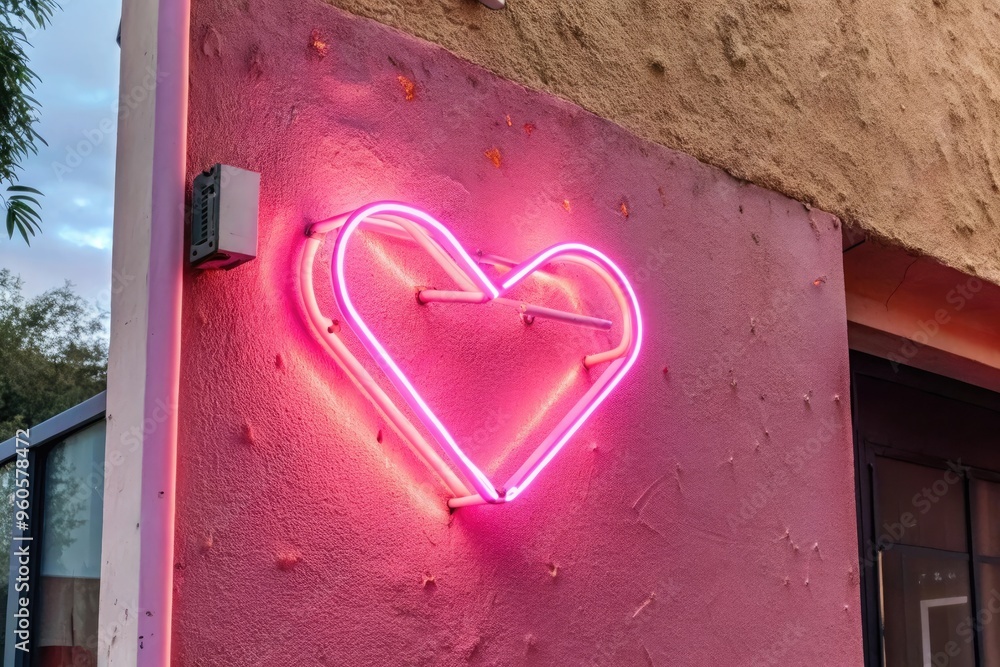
[705,517]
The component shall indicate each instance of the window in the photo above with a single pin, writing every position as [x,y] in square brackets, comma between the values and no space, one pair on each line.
[923,565]
[927,454]
[61,497]
[69,580]
[6,530]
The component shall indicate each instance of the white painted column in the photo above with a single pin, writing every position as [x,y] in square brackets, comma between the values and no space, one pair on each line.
[147,262]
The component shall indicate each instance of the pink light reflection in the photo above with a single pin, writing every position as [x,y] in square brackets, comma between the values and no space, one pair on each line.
[580,412]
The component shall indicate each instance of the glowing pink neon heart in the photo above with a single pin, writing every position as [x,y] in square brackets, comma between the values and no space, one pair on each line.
[580,412]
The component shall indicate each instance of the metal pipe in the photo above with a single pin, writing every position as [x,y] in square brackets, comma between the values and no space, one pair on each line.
[466,501]
[449,296]
[558,315]
[458,296]
[496,260]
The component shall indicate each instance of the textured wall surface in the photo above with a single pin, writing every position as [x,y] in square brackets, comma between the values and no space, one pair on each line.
[882,112]
[706,516]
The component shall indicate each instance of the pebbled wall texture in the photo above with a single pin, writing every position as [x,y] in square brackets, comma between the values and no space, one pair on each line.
[885,113]
[704,517]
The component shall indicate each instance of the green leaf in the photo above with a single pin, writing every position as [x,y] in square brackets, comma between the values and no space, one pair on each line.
[25,198]
[21,229]
[23,188]
[22,213]
[19,109]
[25,211]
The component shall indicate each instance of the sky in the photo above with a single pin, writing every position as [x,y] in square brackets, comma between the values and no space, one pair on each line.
[77,59]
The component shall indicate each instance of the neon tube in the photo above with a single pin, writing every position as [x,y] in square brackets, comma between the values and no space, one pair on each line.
[397,218]
[368,339]
[364,380]
[459,296]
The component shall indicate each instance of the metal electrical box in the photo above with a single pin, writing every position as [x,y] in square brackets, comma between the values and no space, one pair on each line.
[224,203]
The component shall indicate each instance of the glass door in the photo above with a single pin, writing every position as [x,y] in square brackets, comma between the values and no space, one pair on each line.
[927,455]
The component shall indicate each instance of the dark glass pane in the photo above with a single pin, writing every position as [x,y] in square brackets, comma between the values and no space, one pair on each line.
[986,513]
[71,551]
[927,616]
[6,531]
[919,505]
[988,619]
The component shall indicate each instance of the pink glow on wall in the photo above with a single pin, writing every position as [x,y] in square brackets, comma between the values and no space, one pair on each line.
[704,516]
[455,260]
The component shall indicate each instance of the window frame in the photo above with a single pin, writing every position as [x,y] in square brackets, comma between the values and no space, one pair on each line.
[43,438]
[866,493]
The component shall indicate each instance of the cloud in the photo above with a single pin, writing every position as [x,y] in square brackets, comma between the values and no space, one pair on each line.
[77,61]
[99,238]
